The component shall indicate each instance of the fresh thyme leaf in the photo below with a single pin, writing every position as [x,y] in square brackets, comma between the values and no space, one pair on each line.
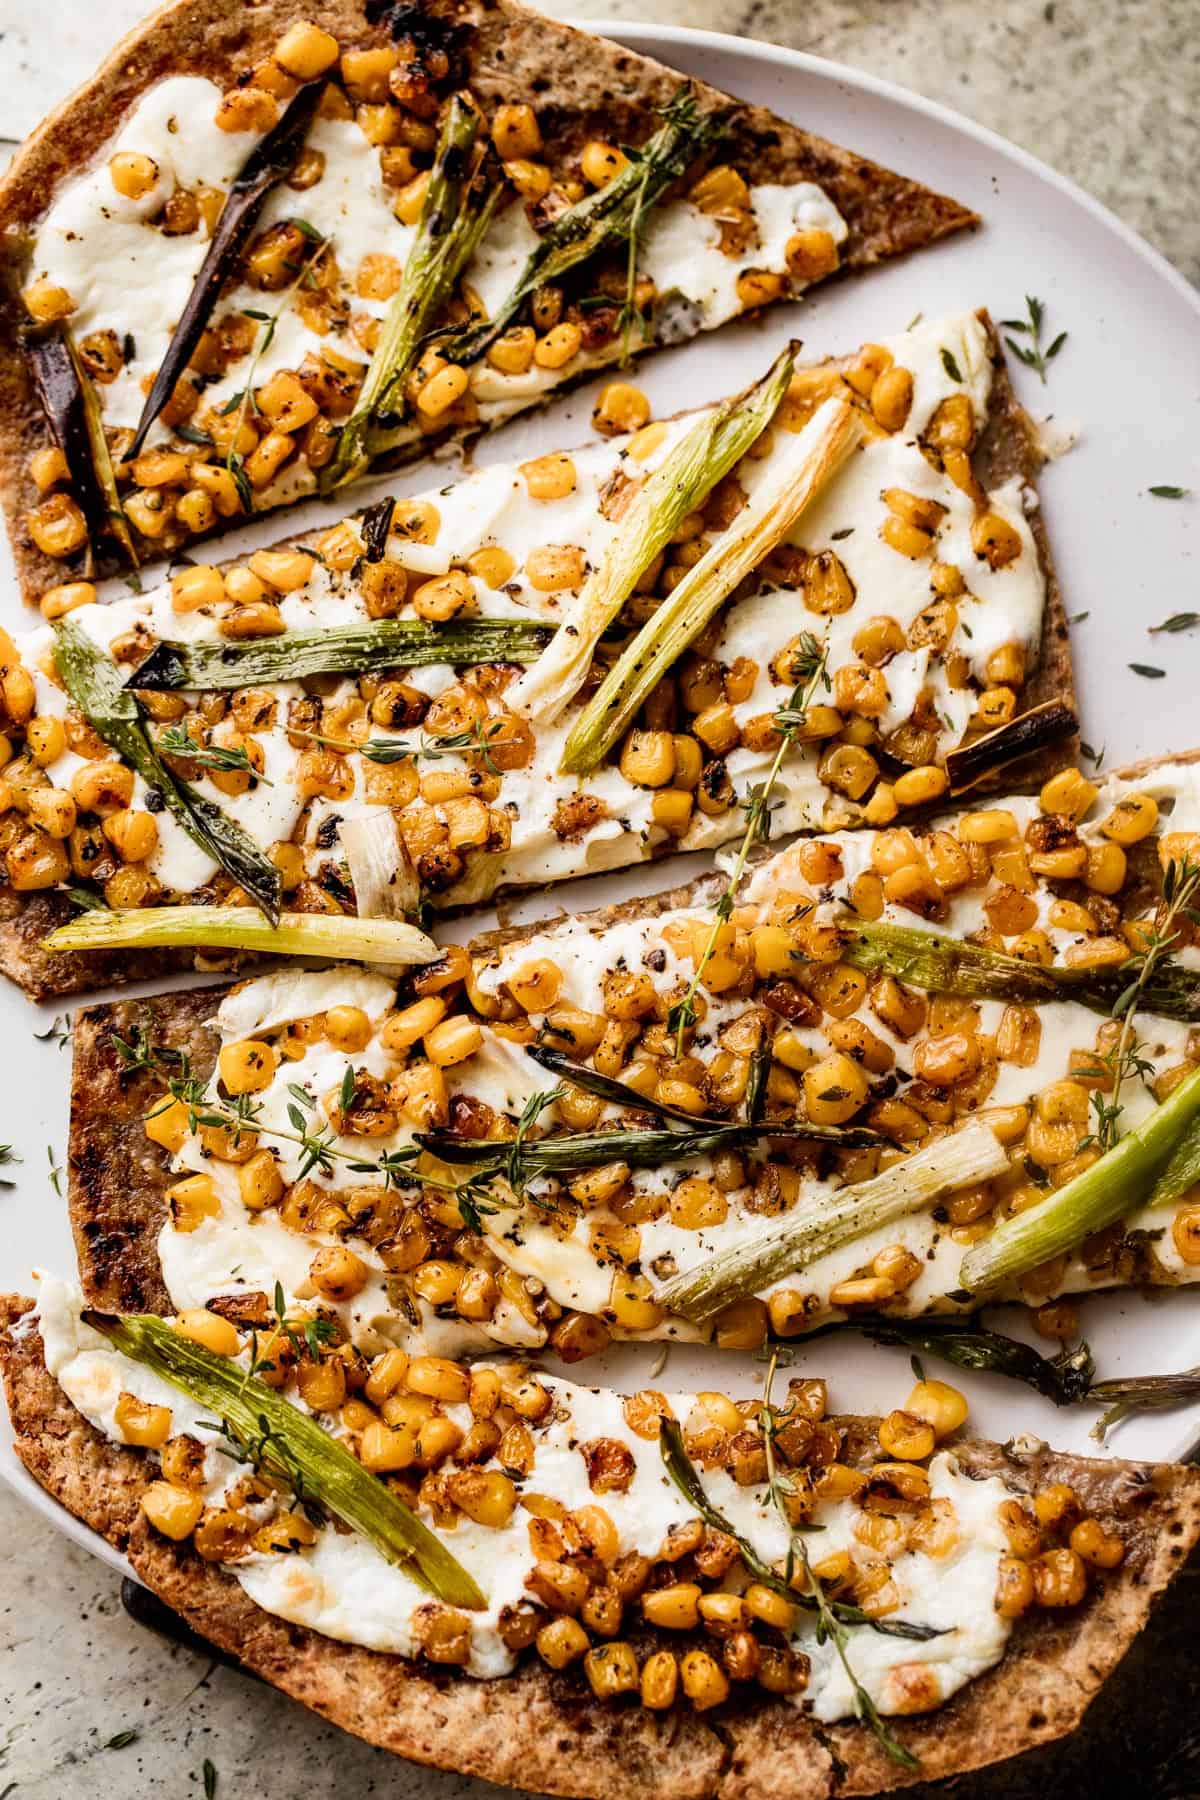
[1164,491]
[1079,617]
[1177,622]
[1032,354]
[950,365]
[1095,757]
[86,900]
[177,740]
[1148,670]
[210,1780]
[57,1032]
[55,1171]
[122,1739]
[8,1156]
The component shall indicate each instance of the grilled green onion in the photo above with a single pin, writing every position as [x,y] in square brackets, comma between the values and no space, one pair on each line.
[946,965]
[294,1448]
[610,216]
[683,1473]
[820,1224]
[336,937]
[94,683]
[455,214]
[799,468]
[605,1087]
[677,487]
[72,410]
[344,650]
[1182,1170]
[1034,730]
[1098,1197]
[967,1344]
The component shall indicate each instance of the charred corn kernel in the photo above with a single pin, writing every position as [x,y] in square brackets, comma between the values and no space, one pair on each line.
[132,174]
[864,1290]
[943,1407]
[696,1203]
[834,1090]
[260,1184]
[443,390]
[600,162]
[1185,1232]
[133,834]
[247,109]
[994,540]
[555,566]
[531,178]
[1069,794]
[1103,1549]
[908,540]
[671,810]
[439,1378]
[386,1448]
[209,1330]
[46,302]
[558,346]
[704,1681]
[562,1642]
[172,1510]
[57,526]
[1059,1578]
[630,1303]
[306,51]
[191,1201]
[196,587]
[338,1273]
[515,132]
[53,811]
[1131,819]
[410,201]
[60,600]
[348,1028]
[247,1067]
[674,1608]
[1014,1588]
[48,467]
[758,287]
[322,1385]
[906,1436]
[453,1041]
[141,1423]
[387,1374]
[891,398]
[620,408]
[535,985]
[660,1681]
[512,354]
[167,1124]
[848,770]
[648,758]
[406,1027]
[810,255]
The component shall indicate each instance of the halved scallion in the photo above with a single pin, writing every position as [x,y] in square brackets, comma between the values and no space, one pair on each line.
[605,219]
[797,471]
[344,650]
[946,965]
[677,487]
[386,885]
[457,208]
[290,1446]
[1034,730]
[335,937]
[94,683]
[72,412]
[817,1225]
[1096,1198]
[267,165]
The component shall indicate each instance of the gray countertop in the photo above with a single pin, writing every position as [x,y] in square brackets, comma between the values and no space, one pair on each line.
[1108,95]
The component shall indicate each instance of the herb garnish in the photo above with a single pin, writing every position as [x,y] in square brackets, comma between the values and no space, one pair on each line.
[812,671]
[178,741]
[7,1156]
[1165,491]
[1148,670]
[122,1739]
[1032,354]
[950,365]
[1177,622]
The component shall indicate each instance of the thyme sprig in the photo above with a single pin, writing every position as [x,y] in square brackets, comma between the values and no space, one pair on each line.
[1032,353]
[813,672]
[830,1627]
[1125,1061]
[476,741]
[177,740]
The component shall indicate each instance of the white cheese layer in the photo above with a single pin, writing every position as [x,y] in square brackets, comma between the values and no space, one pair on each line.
[125,275]
[343,1588]
[493,508]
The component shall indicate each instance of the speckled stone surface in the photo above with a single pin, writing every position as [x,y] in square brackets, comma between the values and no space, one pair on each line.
[1110,95]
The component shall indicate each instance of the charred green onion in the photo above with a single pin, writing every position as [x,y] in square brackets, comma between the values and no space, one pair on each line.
[822,1223]
[964,1342]
[457,208]
[605,219]
[94,683]
[335,937]
[1182,1170]
[683,1473]
[345,650]
[68,400]
[946,965]
[799,467]
[606,1087]
[677,487]
[1034,730]
[293,1448]
[1096,1198]
[1141,1393]
[269,163]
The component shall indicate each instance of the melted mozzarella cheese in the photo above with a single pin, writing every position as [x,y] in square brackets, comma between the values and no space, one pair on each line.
[343,1588]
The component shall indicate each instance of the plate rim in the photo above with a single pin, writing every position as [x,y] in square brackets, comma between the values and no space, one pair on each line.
[653,38]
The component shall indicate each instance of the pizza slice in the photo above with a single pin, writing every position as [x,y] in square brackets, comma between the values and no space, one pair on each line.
[890,1075]
[493,1570]
[827,600]
[259,255]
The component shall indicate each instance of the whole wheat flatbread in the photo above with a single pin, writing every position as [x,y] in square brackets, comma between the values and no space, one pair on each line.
[545,1732]
[585,86]
[1009,450]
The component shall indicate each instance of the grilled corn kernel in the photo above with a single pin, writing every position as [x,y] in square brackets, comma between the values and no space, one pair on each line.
[172,1510]
[512,354]
[260,1184]
[439,1378]
[191,1201]
[1131,819]
[453,1041]
[834,1090]
[810,255]
[338,1273]
[133,834]
[306,51]
[558,346]
[1103,1549]
[515,132]
[209,1330]
[600,162]
[1014,1588]
[994,540]
[758,287]
[562,1642]
[704,1681]
[620,408]
[46,302]
[141,1423]
[386,1448]
[891,398]
[648,758]
[58,527]
[247,1067]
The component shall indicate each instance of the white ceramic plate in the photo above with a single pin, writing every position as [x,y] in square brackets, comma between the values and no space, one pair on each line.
[1128,378]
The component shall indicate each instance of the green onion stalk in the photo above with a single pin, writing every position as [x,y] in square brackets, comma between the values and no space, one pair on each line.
[334,937]
[797,471]
[1098,1197]
[815,1227]
[291,1446]
[701,458]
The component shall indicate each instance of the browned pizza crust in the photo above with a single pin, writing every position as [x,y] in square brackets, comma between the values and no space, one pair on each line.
[544,1732]
[582,85]
[1009,450]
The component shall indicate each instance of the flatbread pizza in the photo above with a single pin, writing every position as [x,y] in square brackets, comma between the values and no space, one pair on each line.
[266,252]
[637,1608]
[569,666]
